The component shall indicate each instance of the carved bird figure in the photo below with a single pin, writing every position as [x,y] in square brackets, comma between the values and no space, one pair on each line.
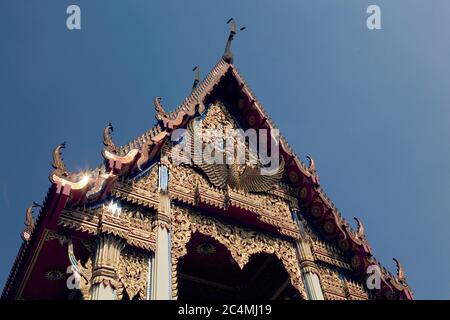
[222,175]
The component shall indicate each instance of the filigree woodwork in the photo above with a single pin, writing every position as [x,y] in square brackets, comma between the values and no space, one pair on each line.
[241,242]
[132,274]
[332,284]
[189,187]
[330,254]
[132,224]
[215,130]
[337,286]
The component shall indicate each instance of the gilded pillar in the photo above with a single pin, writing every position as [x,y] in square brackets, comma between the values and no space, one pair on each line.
[308,267]
[309,271]
[162,262]
[104,273]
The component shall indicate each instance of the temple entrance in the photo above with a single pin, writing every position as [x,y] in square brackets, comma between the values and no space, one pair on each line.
[208,271]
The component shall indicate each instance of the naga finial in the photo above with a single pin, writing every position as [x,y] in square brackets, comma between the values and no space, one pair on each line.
[196,77]
[312,165]
[312,170]
[160,112]
[29,221]
[360,232]
[143,159]
[400,273]
[228,56]
[58,164]
[107,140]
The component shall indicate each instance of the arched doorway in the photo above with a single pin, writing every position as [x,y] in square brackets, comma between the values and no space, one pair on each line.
[208,271]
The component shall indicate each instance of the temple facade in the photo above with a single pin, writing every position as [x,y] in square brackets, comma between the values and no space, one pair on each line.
[141,226]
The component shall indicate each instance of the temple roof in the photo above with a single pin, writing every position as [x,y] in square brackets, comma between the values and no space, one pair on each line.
[73,189]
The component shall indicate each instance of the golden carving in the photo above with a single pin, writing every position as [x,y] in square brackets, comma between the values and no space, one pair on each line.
[84,271]
[29,222]
[337,286]
[246,177]
[241,242]
[132,224]
[356,290]
[132,274]
[52,235]
[106,260]
[189,187]
[107,140]
[332,285]
[328,253]
[58,164]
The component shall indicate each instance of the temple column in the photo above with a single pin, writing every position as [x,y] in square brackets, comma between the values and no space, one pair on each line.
[104,275]
[309,271]
[162,284]
[308,267]
[148,294]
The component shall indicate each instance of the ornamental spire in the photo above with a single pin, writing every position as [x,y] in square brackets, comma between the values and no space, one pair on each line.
[228,56]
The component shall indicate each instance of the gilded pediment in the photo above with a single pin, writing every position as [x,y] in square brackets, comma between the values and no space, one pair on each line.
[214,145]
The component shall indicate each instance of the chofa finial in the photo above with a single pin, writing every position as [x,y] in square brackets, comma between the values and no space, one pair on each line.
[228,56]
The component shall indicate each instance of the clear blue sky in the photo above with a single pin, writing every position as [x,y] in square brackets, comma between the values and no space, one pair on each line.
[372,107]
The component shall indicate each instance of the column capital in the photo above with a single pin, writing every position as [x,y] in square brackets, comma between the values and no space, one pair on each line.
[106,260]
[163,216]
[309,266]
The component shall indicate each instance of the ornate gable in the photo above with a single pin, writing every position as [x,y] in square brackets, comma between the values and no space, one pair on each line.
[223,100]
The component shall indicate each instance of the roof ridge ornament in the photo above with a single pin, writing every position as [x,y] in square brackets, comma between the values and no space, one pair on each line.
[228,55]
[30,222]
[360,232]
[196,77]
[107,140]
[58,164]
[313,172]
[400,273]
[145,154]
[160,111]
